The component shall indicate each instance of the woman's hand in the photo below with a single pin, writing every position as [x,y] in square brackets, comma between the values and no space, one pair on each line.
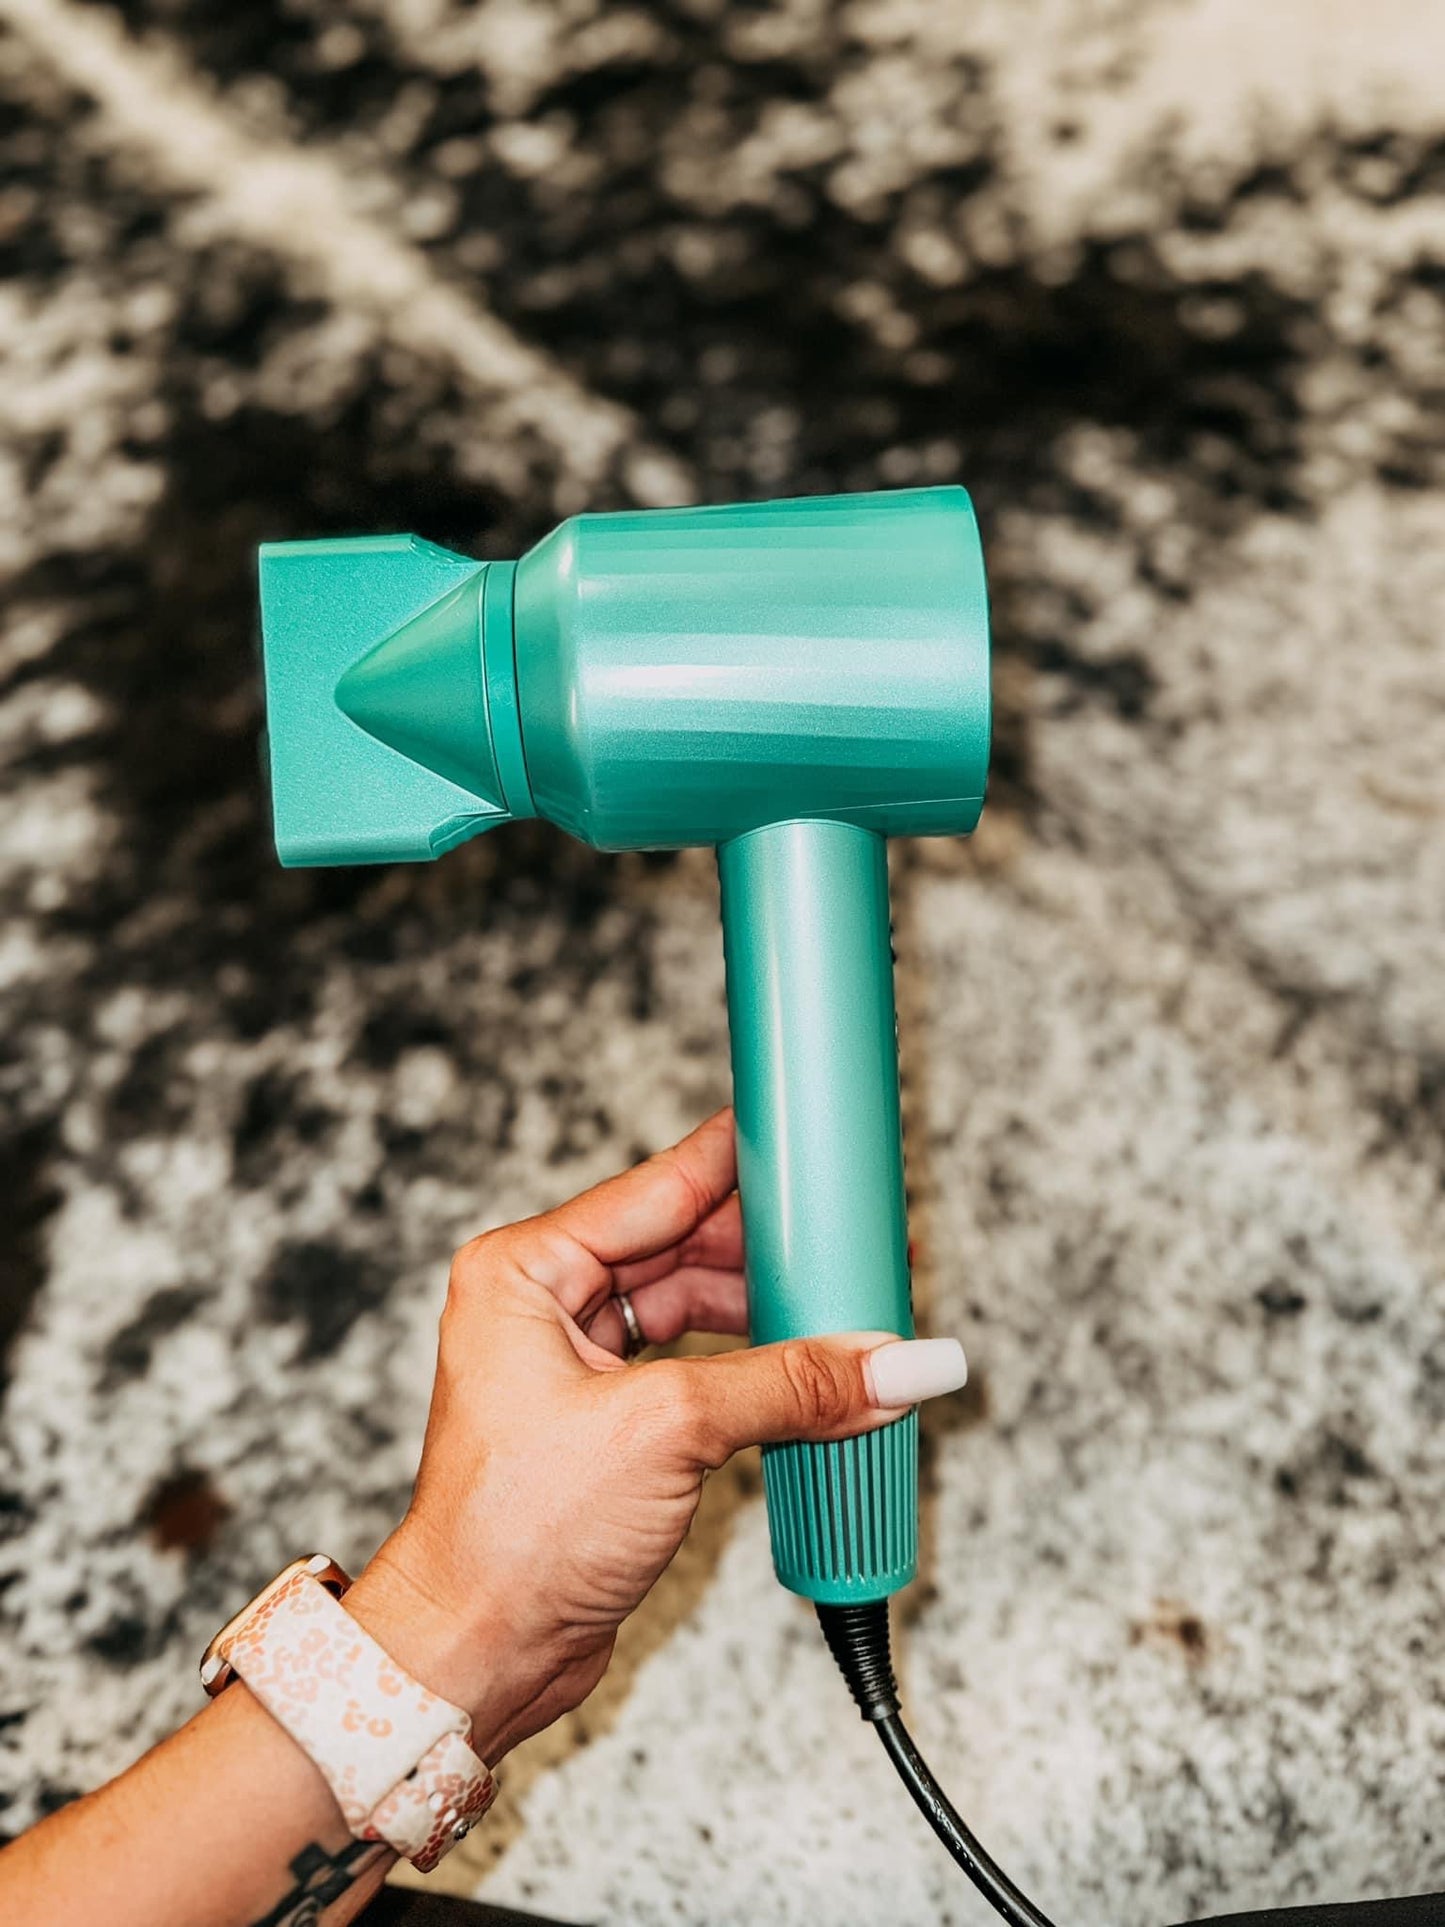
[556,1482]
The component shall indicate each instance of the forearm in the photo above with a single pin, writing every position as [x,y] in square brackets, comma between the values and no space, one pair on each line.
[227,1823]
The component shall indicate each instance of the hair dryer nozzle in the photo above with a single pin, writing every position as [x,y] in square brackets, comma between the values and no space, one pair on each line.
[390,725]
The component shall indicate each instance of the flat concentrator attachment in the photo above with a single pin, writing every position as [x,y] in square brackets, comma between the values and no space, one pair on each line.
[387,741]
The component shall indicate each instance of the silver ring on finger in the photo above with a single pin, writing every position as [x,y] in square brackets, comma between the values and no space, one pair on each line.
[633,1340]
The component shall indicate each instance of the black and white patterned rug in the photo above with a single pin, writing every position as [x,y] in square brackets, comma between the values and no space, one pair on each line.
[1165,285]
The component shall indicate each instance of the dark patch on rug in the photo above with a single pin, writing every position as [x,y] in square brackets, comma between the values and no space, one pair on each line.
[28,1196]
[325,1290]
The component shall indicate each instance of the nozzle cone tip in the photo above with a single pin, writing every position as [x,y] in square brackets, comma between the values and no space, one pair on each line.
[421,691]
[380,749]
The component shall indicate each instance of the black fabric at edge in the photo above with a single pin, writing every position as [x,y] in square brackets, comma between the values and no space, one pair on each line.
[400,1907]
[1411,1910]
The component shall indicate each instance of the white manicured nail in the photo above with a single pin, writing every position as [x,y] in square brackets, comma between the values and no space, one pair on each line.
[914,1369]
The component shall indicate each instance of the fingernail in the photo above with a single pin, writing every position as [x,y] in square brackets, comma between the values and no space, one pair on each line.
[914,1369]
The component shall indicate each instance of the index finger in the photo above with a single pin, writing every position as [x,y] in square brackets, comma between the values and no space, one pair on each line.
[658,1202]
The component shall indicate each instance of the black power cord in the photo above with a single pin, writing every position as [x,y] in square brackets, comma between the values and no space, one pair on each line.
[858,1639]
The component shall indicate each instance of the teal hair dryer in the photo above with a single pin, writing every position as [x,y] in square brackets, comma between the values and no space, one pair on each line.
[793,682]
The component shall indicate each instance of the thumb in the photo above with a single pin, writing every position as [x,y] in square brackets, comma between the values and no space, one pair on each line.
[806,1388]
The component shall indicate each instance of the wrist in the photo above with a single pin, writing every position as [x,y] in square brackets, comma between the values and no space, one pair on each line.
[465,1658]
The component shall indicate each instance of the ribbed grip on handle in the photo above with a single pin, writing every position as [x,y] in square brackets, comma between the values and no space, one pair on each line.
[844,1517]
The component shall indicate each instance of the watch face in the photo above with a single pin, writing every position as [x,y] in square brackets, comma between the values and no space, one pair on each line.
[216,1672]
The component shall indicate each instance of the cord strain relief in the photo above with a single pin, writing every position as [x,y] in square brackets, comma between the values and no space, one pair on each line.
[858,1639]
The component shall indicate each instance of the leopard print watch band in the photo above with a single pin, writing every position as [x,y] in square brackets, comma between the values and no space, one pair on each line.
[394,1753]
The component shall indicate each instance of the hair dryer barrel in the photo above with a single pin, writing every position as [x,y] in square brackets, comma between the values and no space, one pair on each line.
[646,681]
[685,675]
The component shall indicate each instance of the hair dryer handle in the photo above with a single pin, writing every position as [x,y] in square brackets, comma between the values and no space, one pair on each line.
[820,1170]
